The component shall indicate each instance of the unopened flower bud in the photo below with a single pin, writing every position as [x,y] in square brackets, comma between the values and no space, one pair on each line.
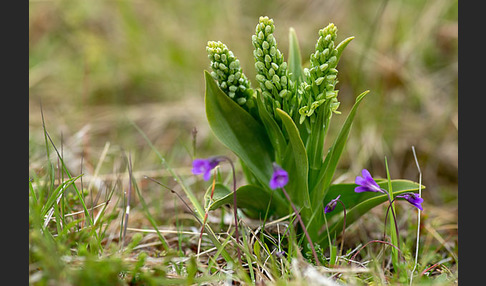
[268,59]
[269,85]
[261,36]
[261,78]
[227,72]
[276,79]
[265,45]
[260,67]
[271,72]
[241,100]
[319,80]
[268,29]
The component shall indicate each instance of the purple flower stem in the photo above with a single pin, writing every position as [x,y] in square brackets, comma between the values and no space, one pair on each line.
[344,226]
[204,167]
[394,218]
[396,227]
[303,226]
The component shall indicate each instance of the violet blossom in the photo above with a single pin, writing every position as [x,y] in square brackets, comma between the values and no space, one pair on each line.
[331,205]
[413,199]
[280,177]
[204,166]
[366,183]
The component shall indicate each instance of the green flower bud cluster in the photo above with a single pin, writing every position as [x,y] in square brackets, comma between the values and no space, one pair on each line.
[227,72]
[321,78]
[272,73]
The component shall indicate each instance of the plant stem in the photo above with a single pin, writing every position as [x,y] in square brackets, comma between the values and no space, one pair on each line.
[206,215]
[396,227]
[344,227]
[235,208]
[303,226]
[394,218]
[369,242]
[418,216]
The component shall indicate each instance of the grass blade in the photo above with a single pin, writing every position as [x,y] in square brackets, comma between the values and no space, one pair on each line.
[393,226]
[418,217]
[199,210]
[149,216]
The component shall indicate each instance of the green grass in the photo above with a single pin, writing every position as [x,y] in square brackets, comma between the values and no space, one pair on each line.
[102,69]
[157,244]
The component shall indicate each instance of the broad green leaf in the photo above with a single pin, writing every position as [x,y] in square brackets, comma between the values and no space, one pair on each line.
[334,153]
[211,196]
[295,61]
[239,131]
[249,176]
[357,204]
[273,130]
[295,163]
[350,198]
[252,198]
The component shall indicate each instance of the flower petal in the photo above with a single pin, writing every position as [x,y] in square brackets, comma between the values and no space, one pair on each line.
[366,175]
[419,206]
[361,189]
[207,175]
[360,180]
[280,177]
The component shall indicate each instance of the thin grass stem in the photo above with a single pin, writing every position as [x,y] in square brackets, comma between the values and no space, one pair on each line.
[129,193]
[304,229]
[328,235]
[177,194]
[418,217]
[373,241]
[235,209]
[149,216]
[344,228]
[206,214]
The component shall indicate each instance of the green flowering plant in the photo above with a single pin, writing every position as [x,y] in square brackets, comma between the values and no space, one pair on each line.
[284,121]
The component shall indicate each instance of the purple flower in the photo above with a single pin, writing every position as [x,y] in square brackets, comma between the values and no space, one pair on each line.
[280,177]
[366,183]
[414,199]
[204,166]
[280,254]
[331,205]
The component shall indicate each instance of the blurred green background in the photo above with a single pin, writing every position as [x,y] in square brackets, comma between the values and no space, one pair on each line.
[95,64]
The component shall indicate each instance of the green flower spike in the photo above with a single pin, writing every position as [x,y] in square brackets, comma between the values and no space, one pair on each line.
[228,74]
[272,73]
[321,78]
